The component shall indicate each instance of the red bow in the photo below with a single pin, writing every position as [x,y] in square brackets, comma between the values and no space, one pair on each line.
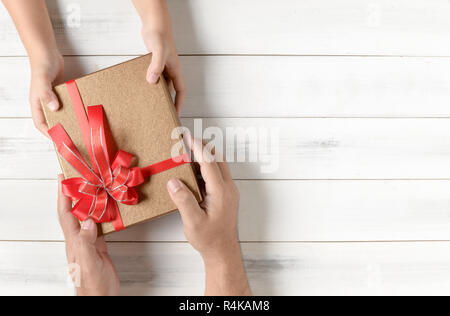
[106,183]
[96,187]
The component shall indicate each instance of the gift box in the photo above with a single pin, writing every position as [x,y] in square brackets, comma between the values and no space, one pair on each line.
[115,139]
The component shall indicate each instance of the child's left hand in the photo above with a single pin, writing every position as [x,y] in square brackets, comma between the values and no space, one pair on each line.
[165,62]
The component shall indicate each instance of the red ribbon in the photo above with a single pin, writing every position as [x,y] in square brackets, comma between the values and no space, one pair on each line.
[104,183]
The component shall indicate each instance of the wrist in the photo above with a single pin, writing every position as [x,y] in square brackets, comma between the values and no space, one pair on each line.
[154,28]
[223,256]
[156,20]
[225,273]
[41,58]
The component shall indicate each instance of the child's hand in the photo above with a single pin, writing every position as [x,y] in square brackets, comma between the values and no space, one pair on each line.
[35,29]
[165,61]
[45,72]
[88,254]
[158,38]
[211,228]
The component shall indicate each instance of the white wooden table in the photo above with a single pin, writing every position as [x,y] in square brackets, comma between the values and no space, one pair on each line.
[359,90]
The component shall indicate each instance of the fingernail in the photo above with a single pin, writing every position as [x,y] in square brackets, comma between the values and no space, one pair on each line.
[53,105]
[153,78]
[174,185]
[88,225]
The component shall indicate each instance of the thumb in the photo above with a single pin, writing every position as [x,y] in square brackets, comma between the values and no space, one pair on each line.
[156,67]
[88,235]
[185,201]
[49,99]
[88,255]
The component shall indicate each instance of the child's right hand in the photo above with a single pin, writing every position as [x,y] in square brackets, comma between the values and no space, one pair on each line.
[45,72]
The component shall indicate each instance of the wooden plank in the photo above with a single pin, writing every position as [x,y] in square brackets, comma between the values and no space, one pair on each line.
[273,269]
[14,81]
[356,27]
[303,149]
[278,86]
[270,211]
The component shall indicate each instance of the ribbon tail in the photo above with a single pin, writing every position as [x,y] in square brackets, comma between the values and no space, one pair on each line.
[117,220]
[82,118]
[99,143]
[71,155]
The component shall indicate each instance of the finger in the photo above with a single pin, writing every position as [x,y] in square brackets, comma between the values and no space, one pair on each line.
[87,250]
[223,165]
[156,67]
[180,96]
[100,244]
[39,118]
[69,223]
[170,86]
[185,201]
[209,169]
[88,232]
[48,98]
[225,169]
[179,85]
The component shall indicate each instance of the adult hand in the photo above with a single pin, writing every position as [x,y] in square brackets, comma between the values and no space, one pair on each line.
[87,252]
[211,228]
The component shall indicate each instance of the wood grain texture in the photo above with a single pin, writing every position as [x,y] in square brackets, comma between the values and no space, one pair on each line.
[350,27]
[323,101]
[307,149]
[273,86]
[273,269]
[270,211]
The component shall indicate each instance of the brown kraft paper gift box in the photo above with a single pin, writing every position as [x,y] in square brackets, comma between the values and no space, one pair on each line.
[141,118]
